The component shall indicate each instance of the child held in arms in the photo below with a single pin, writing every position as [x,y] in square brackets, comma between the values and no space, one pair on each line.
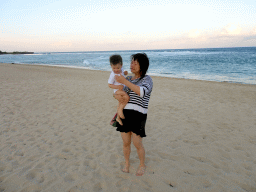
[123,98]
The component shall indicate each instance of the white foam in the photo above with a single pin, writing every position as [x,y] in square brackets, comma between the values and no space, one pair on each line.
[175,53]
[86,62]
[218,78]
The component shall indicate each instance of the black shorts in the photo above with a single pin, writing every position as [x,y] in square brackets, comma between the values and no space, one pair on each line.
[134,121]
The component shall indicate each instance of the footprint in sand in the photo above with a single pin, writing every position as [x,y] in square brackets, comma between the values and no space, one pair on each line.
[247,167]
[113,158]
[205,160]
[9,158]
[201,159]
[85,149]
[89,166]
[15,164]
[32,188]
[35,175]
[31,175]
[69,178]
[238,148]
[32,139]
[25,169]
[66,150]
[97,187]
[224,154]
[14,147]
[1,180]
[206,184]
[120,183]
[2,168]
[90,156]
[191,142]
[19,153]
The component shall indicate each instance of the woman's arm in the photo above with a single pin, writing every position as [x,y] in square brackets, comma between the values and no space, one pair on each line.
[134,88]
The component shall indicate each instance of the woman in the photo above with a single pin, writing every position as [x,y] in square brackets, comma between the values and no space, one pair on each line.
[139,88]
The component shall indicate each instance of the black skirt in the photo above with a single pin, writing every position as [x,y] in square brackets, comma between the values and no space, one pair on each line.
[134,121]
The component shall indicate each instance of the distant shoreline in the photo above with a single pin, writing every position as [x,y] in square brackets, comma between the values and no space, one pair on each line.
[16,52]
[152,75]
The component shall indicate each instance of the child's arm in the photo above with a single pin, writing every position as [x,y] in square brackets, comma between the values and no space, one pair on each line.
[120,87]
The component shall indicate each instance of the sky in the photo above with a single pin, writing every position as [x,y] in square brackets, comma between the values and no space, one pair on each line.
[109,25]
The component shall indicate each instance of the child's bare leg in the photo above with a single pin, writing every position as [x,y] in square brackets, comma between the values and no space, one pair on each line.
[119,120]
[123,99]
[118,117]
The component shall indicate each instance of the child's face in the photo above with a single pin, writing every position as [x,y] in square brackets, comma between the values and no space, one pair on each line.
[116,68]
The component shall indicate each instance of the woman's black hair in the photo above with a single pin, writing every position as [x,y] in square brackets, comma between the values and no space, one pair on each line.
[143,61]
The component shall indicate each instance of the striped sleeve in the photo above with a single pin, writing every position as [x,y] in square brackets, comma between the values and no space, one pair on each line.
[126,89]
[140,102]
[146,86]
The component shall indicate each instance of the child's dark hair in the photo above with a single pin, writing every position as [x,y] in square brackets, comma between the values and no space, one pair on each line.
[115,59]
[143,61]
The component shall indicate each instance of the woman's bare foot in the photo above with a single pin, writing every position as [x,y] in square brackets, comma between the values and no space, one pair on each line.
[141,170]
[120,113]
[126,168]
[119,120]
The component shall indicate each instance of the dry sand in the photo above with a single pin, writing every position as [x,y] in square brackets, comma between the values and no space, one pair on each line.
[55,134]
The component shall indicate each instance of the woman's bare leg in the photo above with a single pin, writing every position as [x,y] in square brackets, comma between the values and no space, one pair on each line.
[137,141]
[126,149]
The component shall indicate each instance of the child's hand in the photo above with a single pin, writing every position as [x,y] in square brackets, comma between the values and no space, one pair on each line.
[125,72]
[120,87]
[120,79]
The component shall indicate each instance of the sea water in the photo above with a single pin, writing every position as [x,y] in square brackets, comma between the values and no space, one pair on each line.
[213,64]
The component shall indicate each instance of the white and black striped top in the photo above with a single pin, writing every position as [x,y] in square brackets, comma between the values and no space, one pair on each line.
[139,102]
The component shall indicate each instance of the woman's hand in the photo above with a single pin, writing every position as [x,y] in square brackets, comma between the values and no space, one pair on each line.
[120,79]
[120,98]
[133,87]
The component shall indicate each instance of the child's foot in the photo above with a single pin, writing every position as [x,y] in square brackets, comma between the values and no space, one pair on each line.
[126,168]
[141,170]
[119,120]
[120,113]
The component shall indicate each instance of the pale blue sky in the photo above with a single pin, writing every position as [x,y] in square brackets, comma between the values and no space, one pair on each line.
[64,25]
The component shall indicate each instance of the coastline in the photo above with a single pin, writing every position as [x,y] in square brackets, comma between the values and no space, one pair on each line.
[156,76]
[55,134]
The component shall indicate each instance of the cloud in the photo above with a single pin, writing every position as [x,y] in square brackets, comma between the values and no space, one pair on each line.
[250,37]
[253,31]
[194,33]
[231,35]
[66,44]
[231,29]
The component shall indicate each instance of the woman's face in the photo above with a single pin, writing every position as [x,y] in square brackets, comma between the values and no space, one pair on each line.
[135,67]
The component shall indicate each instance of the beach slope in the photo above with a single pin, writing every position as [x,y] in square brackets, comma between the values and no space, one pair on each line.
[55,134]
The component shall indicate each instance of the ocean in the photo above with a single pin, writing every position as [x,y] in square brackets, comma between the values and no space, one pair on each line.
[235,65]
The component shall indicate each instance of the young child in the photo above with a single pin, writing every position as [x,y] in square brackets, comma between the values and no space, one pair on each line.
[116,64]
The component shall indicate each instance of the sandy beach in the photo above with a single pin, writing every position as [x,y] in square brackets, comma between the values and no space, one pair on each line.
[55,134]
